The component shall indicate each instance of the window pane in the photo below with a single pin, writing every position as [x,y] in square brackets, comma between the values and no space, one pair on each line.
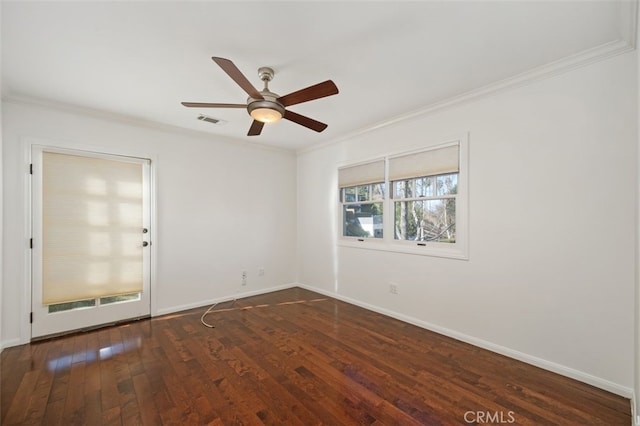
[120,298]
[362,220]
[428,220]
[419,187]
[429,187]
[410,188]
[349,195]
[398,189]
[447,184]
[59,307]
[377,191]
[424,186]
[363,192]
[371,192]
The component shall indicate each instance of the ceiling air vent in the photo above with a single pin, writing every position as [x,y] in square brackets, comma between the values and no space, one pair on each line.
[211,120]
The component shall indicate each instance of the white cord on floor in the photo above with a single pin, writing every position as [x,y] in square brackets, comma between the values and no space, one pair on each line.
[208,311]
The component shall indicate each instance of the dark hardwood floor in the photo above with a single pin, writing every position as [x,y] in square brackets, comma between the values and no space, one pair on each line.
[292,357]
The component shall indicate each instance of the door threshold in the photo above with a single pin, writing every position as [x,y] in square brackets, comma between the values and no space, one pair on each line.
[87,329]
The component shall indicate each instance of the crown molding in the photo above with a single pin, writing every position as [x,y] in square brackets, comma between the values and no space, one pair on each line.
[552,69]
[133,121]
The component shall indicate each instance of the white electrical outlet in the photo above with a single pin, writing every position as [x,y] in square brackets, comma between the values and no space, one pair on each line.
[393,288]
[260,272]
[244,277]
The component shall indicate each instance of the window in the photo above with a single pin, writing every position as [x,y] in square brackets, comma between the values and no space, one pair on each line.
[424,210]
[425,187]
[362,191]
[362,210]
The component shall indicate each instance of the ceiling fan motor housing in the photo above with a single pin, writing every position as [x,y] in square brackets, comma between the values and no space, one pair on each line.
[269,102]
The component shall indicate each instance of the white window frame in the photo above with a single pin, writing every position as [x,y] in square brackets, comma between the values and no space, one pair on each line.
[457,250]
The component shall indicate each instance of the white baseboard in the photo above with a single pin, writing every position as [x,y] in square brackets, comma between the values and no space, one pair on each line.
[209,302]
[511,353]
[9,343]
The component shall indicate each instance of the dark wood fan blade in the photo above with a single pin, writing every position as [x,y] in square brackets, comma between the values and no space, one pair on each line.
[209,105]
[256,128]
[237,76]
[317,91]
[304,121]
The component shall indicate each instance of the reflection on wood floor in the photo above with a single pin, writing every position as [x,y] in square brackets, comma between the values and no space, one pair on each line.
[291,357]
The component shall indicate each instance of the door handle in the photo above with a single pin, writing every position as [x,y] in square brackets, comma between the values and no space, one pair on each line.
[145,243]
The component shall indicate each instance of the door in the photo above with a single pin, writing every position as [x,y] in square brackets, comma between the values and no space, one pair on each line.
[91,240]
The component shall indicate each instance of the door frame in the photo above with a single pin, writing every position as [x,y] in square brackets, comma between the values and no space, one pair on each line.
[28,143]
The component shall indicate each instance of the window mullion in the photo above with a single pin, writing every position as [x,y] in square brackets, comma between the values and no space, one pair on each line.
[388,207]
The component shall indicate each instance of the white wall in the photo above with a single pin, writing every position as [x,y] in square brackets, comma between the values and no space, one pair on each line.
[222,207]
[552,181]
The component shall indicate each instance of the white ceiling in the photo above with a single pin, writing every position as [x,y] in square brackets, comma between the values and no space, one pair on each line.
[141,59]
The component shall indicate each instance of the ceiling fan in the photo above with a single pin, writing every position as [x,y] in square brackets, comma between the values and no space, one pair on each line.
[267,107]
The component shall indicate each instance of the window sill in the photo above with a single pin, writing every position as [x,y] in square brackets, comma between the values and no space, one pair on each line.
[450,251]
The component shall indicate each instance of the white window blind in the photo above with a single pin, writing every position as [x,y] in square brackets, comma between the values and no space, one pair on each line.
[426,163]
[92,227]
[361,174]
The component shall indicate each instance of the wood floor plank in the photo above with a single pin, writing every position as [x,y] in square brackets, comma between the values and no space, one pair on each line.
[109,397]
[18,411]
[74,399]
[39,398]
[290,357]
[92,408]
[53,414]
[144,395]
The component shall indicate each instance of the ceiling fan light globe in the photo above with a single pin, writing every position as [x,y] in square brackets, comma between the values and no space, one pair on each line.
[265,111]
[266,115]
